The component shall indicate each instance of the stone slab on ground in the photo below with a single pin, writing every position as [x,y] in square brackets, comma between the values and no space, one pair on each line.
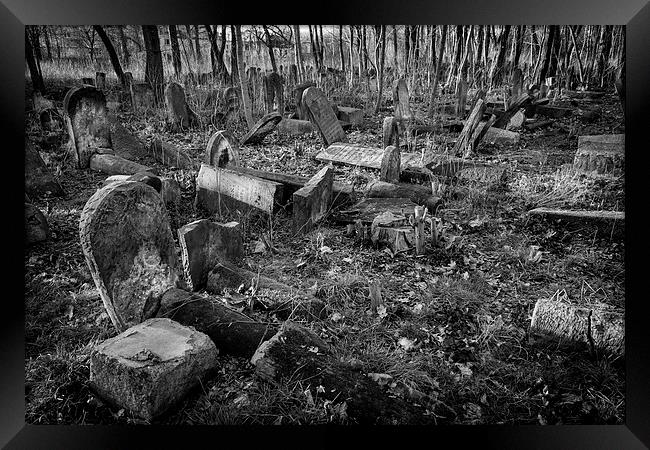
[295,127]
[204,244]
[359,155]
[219,189]
[367,209]
[501,136]
[601,154]
[129,248]
[579,215]
[151,366]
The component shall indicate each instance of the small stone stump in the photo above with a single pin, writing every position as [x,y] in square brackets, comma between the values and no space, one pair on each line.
[151,366]
[601,154]
[312,201]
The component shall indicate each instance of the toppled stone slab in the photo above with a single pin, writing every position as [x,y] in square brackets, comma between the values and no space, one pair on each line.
[219,190]
[359,155]
[601,154]
[129,248]
[353,116]
[36,227]
[204,244]
[171,155]
[295,127]
[501,136]
[312,201]
[418,194]
[578,326]
[262,128]
[321,114]
[577,215]
[116,165]
[367,209]
[151,366]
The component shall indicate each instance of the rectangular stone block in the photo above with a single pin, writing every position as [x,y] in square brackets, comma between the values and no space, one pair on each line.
[311,202]
[353,116]
[151,366]
[219,190]
[204,244]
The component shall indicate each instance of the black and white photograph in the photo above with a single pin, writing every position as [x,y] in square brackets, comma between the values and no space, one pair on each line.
[325,224]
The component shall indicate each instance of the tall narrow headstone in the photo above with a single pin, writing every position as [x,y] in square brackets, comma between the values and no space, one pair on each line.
[321,114]
[401,100]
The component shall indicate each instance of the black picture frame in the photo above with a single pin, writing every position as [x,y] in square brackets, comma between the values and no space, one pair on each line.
[635,14]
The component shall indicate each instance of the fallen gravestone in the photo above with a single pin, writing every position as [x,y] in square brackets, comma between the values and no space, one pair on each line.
[36,227]
[601,154]
[116,165]
[367,209]
[585,326]
[38,179]
[129,248]
[204,244]
[501,136]
[151,366]
[418,194]
[86,118]
[312,201]
[220,190]
[179,114]
[222,150]
[171,155]
[262,128]
[295,127]
[321,114]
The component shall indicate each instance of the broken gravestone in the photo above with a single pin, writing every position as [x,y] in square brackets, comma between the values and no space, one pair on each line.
[295,127]
[222,150]
[392,230]
[129,248]
[353,116]
[179,114]
[36,227]
[204,244]
[38,179]
[262,128]
[390,132]
[151,366]
[86,118]
[312,201]
[219,190]
[390,165]
[321,114]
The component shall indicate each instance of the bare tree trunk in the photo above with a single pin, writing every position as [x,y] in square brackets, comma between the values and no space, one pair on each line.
[124,45]
[197,44]
[395,63]
[176,52]
[499,67]
[314,51]
[443,42]
[380,75]
[154,74]
[34,72]
[407,48]
[578,57]
[603,54]
[270,47]
[298,50]
[351,65]
[239,44]
[234,56]
[48,45]
[519,43]
[112,54]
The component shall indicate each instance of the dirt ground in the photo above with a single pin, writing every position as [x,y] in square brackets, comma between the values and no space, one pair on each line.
[455,330]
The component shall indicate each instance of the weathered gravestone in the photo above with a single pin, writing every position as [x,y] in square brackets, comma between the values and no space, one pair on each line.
[204,244]
[222,150]
[38,179]
[353,116]
[295,127]
[517,85]
[321,114]
[219,190]
[390,165]
[601,154]
[274,92]
[100,81]
[179,114]
[151,366]
[262,128]
[298,90]
[116,165]
[129,248]
[36,227]
[124,142]
[390,132]
[312,201]
[142,97]
[86,118]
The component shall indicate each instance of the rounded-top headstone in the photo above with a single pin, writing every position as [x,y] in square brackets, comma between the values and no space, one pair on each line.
[129,248]
[222,150]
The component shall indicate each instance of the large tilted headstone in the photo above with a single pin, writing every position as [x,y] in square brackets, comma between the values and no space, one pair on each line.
[151,366]
[129,248]
[221,190]
[86,118]
[601,154]
[321,114]
[222,150]
[204,244]
[179,114]
[38,179]
[262,128]
[312,201]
